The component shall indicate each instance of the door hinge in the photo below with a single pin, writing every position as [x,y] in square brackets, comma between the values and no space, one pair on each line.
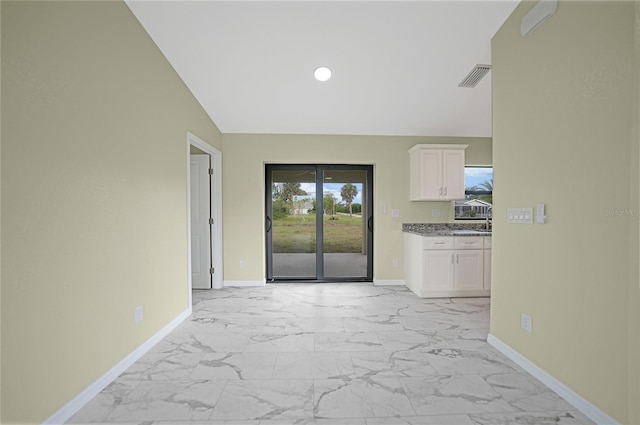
[211,221]
[210,171]
[212,270]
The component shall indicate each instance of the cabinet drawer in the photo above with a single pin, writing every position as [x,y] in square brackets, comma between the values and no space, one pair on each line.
[487,242]
[468,242]
[437,243]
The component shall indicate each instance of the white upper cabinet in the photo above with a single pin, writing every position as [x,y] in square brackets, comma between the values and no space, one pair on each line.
[436,172]
[453,173]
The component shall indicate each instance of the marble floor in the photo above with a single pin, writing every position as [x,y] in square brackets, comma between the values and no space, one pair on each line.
[335,354]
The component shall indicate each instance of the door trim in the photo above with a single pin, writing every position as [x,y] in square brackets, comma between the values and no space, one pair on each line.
[216,209]
[203,255]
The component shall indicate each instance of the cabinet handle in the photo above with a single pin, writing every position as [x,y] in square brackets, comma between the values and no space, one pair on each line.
[440,191]
[445,191]
[457,258]
[438,243]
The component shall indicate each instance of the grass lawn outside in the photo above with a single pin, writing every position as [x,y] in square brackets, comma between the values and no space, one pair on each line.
[297,234]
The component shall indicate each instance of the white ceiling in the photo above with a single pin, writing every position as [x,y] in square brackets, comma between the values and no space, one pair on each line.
[396,64]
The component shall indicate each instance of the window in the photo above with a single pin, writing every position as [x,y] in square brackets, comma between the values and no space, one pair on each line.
[478,194]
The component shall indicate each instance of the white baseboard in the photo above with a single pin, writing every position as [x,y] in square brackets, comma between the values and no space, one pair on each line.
[245,283]
[73,406]
[584,406]
[389,282]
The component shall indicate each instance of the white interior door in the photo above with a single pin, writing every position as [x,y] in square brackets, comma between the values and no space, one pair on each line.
[201,264]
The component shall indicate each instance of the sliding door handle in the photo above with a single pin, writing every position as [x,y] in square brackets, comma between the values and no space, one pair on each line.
[268,224]
[370,224]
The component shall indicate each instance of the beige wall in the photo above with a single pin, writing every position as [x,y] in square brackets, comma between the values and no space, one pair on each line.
[195,151]
[93,196]
[0,220]
[634,282]
[563,136]
[243,191]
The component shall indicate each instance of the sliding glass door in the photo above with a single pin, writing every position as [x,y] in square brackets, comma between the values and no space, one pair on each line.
[319,222]
[291,223]
[345,228]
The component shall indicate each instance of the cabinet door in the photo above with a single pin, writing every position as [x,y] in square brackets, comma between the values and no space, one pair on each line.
[453,174]
[430,174]
[438,270]
[487,269]
[469,269]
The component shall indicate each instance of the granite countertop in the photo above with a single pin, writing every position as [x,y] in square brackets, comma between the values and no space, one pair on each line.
[446,229]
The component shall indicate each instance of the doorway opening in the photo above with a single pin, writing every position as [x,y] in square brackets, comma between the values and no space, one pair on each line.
[319,222]
[204,215]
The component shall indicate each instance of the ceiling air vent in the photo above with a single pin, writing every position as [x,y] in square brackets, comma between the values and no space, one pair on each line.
[474,77]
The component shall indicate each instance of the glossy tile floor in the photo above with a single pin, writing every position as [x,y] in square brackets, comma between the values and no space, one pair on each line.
[348,353]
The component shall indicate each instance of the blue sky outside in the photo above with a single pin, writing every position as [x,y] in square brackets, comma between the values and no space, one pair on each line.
[334,188]
[473,176]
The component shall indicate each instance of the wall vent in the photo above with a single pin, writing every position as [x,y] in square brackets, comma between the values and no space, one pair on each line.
[474,77]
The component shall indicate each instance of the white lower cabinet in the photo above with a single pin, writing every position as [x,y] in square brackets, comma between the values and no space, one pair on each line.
[446,266]
[468,270]
[438,271]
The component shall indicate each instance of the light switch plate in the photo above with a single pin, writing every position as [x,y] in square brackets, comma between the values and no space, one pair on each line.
[520,215]
[541,218]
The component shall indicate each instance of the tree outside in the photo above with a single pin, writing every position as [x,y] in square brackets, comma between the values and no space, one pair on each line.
[285,198]
[348,192]
[328,204]
[475,211]
[488,186]
[343,208]
[294,231]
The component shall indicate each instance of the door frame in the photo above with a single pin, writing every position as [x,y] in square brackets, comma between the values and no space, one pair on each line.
[216,210]
[370,221]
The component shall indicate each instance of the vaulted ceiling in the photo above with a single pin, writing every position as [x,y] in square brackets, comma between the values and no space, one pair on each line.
[396,64]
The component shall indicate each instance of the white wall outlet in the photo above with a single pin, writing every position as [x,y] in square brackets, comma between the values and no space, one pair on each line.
[394,263]
[395,212]
[435,212]
[138,315]
[242,264]
[526,322]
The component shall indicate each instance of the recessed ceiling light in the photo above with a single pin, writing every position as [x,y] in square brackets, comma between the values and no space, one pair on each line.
[322,73]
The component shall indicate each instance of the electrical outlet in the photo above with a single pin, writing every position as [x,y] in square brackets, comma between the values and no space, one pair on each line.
[395,263]
[395,212]
[435,212]
[526,322]
[138,315]
[242,264]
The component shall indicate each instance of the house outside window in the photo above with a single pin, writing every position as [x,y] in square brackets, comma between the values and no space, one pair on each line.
[478,200]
